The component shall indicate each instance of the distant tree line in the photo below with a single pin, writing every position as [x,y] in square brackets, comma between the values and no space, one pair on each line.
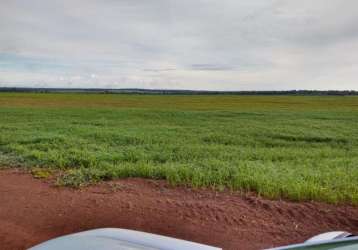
[180,92]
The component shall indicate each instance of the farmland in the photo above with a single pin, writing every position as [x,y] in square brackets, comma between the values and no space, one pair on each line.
[292,147]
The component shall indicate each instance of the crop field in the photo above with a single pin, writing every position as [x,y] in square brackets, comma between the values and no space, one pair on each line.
[291,147]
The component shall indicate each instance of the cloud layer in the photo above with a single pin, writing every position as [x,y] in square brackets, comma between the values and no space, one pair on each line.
[201,44]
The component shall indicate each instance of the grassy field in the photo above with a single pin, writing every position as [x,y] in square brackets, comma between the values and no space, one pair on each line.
[294,147]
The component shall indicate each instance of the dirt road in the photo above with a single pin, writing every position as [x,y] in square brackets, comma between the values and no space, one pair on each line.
[32,211]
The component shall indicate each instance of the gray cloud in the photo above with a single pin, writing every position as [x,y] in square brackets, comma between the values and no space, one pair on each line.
[201,44]
[207,66]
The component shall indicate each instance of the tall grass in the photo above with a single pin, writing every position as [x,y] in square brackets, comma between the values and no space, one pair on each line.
[299,148]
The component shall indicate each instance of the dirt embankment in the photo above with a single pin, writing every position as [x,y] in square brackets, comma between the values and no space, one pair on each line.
[32,211]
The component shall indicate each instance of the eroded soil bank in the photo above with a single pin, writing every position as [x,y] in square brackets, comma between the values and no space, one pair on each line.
[32,211]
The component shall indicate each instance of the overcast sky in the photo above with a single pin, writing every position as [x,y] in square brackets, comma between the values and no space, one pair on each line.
[180,44]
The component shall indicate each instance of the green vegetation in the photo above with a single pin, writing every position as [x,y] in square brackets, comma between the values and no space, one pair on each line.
[295,147]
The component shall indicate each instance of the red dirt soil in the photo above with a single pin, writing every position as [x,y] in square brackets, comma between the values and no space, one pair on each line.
[32,211]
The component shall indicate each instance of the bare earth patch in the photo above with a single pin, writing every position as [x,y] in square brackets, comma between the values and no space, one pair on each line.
[32,211]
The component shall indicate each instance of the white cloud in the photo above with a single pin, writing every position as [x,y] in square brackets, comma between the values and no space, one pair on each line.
[200,44]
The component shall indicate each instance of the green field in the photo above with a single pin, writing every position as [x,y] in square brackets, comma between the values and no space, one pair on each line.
[293,147]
